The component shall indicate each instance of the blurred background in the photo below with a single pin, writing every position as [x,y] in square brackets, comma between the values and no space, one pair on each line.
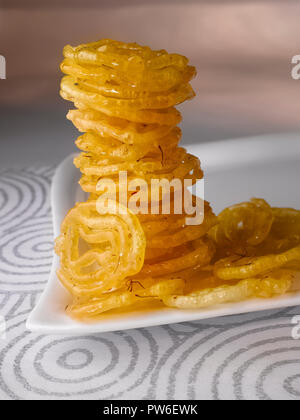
[241,48]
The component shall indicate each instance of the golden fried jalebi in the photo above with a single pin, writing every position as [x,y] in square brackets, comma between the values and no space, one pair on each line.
[243,225]
[256,239]
[276,284]
[233,268]
[264,244]
[98,251]
[285,231]
[134,293]
[200,255]
[133,242]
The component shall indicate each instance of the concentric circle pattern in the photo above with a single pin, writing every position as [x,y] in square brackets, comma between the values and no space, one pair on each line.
[26,230]
[250,356]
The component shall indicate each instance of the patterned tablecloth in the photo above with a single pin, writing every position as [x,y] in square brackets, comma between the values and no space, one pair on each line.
[250,356]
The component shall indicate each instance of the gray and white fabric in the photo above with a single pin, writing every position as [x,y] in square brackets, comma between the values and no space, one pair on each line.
[242,357]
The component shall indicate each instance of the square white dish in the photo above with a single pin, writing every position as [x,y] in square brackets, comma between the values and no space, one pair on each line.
[235,170]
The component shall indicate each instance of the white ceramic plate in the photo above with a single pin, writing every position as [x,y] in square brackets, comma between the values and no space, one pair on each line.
[236,170]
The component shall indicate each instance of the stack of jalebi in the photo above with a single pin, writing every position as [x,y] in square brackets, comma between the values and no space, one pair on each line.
[125,97]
